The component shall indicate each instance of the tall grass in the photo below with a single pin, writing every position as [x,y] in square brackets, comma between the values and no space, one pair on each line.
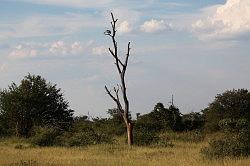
[182,154]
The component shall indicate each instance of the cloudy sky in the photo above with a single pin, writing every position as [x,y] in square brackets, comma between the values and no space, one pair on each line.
[191,49]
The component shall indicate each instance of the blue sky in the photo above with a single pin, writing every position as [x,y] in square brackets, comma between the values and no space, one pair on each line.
[191,49]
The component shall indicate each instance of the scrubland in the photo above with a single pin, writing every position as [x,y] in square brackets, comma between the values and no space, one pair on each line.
[17,152]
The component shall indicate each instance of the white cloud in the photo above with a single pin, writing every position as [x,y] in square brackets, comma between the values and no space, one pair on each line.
[155,26]
[57,48]
[76,47]
[124,27]
[127,18]
[62,48]
[48,25]
[231,20]
[122,14]
[70,3]
[21,52]
[100,50]
[3,67]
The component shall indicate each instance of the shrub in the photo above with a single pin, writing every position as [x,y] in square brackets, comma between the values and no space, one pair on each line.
[145,137]
[84,138]
[44,136]
[236,146]
[4,131]
[161,119]
[192,121]
[25,163]
[1,132]
[164,141]
[21,146]
[233,104]
[190,136]
[235,143]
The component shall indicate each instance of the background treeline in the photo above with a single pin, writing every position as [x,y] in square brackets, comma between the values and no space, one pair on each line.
[37,110]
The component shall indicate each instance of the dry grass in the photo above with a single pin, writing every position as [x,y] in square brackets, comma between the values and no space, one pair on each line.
[182,154]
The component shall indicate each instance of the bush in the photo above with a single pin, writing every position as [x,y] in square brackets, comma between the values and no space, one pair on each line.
[234,104]
[44,136]
[109,126]
[20,146]
[164,141]
[144,137]
[192,121]
[235,143]
[2,133]
[236,146]
[3,128]
[84,138]
[25,163]
[191,136]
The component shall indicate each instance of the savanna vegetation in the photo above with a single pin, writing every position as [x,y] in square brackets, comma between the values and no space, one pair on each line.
[37,127]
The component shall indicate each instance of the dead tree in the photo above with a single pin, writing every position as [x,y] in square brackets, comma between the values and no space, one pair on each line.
[122,106]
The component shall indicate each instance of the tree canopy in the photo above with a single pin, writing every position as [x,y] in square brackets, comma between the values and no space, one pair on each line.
[232,104]
[34,102]
[161,118]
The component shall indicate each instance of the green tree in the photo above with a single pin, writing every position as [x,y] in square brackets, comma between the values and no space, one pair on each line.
[233,104]
[35,102]
[193,121]
[235,141]
[161,119]
[115,122]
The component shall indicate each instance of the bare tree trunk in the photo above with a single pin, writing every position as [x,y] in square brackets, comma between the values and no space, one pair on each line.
[130,133]
[121,68]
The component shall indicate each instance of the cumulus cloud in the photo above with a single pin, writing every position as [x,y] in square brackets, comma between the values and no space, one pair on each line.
[56,48]
[62,48]
[76,47]
[155,26]
[231,20]
[127,18]
[124,27]
[22,51]
[100,50]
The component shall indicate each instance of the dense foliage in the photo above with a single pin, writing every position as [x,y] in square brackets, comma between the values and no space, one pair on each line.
[234,143]
[33,103]
[234,104]
[192,121]
[160,119]
[229,114]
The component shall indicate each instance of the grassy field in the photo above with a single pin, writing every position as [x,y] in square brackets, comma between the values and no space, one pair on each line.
[13,152]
